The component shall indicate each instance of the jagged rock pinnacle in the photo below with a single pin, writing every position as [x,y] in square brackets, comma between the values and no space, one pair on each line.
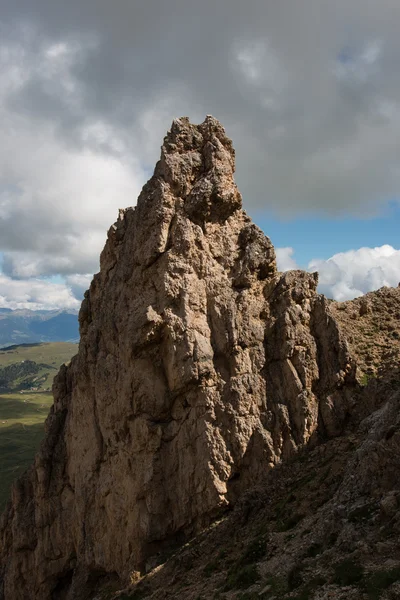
[199,368]
[198,163]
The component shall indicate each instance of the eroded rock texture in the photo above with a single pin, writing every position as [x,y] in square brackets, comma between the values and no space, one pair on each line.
[199,368]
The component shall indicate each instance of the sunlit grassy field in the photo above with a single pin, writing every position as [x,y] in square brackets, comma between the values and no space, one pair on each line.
[22,419]
[54,353]
[22,415]
[48,357]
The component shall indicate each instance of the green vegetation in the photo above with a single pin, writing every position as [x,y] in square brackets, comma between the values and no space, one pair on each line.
[364,379]
[244,572]
[277,587]
[254,552]
[21,431]
[243,578]
[211,568]
[378,581]
[280,587]
[362,513]
[348,572]
[32,366]
[219,564]
[140,592]
[54,353]
[29,368]
[295,577]
[314,550]
[290,522]
[308,590]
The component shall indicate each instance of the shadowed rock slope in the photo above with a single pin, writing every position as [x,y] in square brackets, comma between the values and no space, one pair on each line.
[199,369]
[324,525]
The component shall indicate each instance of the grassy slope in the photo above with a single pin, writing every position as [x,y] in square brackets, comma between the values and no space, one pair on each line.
[21,431]
[51,356]
[22,416]
[54,354]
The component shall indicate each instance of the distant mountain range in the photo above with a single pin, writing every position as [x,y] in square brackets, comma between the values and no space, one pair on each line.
[31,326]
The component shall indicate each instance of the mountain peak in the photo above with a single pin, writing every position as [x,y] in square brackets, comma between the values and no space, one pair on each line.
[199,369]
[198,163]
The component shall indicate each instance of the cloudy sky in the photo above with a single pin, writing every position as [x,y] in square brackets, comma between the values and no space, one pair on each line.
[309,90]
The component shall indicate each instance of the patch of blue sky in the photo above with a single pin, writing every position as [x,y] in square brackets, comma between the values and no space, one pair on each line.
[54,279]
[323,237]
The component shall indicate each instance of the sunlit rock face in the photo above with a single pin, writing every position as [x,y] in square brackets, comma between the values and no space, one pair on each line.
[200,367]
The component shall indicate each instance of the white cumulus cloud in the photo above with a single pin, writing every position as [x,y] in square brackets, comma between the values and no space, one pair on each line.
[79,284]
[35,294]
[350,274]
[60,189]
[285,260]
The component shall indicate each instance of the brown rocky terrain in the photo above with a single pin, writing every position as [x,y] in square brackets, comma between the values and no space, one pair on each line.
[324,525]
[371,326]
[210,439]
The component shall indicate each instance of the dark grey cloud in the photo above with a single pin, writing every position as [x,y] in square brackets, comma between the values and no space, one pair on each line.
[308,91]
[269,71]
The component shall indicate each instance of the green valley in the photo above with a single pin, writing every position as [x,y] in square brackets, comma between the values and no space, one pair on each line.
[32,367]
[26,377]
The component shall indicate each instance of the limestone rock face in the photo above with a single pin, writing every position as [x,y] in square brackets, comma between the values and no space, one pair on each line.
[199,368]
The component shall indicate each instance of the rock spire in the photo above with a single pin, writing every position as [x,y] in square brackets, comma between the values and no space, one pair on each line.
[200,367]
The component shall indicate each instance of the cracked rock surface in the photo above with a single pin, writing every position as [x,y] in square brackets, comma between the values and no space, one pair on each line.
[200,367]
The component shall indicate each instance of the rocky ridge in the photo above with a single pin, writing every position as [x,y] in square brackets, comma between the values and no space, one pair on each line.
[200,368]
[371,326]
